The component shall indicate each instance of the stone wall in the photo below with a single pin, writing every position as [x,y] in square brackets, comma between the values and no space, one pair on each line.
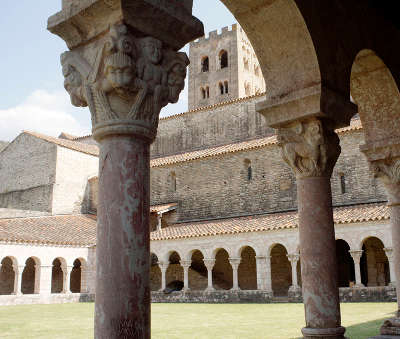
[27,174]
[219,186]
[3,144]
[213,126]
[30,299]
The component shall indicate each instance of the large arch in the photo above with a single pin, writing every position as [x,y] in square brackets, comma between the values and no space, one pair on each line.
[7,275]
[281,270]
[57,275]
[374,263]
[247,271]
[31,276]
[197,271]
[222,274]
[345,263]
[174,273]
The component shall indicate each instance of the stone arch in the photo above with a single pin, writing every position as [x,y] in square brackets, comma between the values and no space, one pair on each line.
[222,273]
[205,64]
[31,276]
[374,263]
[155,273]
[375,91]
[247,271]
[197,271]
[281,270]
[8,271]
[345,264]
[78,276]
[174,273]
[57,275]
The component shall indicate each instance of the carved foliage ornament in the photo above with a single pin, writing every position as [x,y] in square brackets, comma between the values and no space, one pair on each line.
[126,84]
[311,148]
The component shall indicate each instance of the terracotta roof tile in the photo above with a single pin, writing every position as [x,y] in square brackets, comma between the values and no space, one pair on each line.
[342,215]
[74,145]
[75,230]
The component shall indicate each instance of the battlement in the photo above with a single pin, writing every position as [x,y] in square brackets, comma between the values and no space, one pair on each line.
[215,35]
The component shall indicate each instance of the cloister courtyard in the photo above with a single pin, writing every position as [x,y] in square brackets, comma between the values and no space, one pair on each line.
[270,321]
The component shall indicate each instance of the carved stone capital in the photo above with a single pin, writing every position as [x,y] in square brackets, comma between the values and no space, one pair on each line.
[235,262]
[209,263]
[293,258]
[186,263]
[388,171]
[123,61]
[163,266]
[356,255]
[311,147]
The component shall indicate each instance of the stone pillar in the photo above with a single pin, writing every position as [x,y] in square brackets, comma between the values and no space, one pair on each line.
[268,281]
[235,262]
[67,278]
[185,264]
[390,256]
[159,218]
[163,268]
[125,68]
[261,272]
[356,255]
[209,263]
[45,279]
[294,259]
[18,279]
[311,148]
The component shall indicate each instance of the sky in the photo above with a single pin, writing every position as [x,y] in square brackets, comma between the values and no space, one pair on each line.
[32,96]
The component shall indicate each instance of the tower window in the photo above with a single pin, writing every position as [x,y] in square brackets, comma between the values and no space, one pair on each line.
[204,64]
[247,165]
[223,59]
[226,87]
[342,183]
[208,91]
[203,93]
[221,88]
[173,181]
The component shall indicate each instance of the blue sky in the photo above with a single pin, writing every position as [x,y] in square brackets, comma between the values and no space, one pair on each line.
[32,94]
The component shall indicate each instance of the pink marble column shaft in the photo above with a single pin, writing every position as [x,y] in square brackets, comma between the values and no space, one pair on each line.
[395,222]
[318,264]
[123,242]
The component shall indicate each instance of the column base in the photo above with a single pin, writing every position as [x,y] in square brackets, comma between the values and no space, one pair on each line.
[324,333]
[358,286]
[209,289]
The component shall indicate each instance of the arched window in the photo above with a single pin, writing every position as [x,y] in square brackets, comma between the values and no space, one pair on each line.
[221,88]
[249,170]
[208,92]
[342,183]
[205,64]
[203,93]
[226,87]
[173,181]
[223,59]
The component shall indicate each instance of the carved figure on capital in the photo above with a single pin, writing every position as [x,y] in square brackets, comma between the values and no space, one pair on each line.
[126,82]
[309,147]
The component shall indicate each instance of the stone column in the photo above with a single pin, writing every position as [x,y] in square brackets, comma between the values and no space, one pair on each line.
[294,259]
[390,256]
[209,263]
[186,264]
[124,65]
[45,279]
[18,279]
[235,262]
[356,255]
[268,281]
[311,148]
[261,272]
[67,278]
[159,218]
[163,268]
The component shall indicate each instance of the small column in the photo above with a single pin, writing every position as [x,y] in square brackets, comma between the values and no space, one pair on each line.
[235,262]
[294,259]
[185,264]
[18,279]
[261,272]
[209,263]
[356,255]
[311,148]
[163,268]
[67,278]
[268,281]
[390,256]
[45,279]
[159,218]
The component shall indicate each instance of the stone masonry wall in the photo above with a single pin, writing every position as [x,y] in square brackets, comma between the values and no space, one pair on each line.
[27,173]
[210,127]
[219,186]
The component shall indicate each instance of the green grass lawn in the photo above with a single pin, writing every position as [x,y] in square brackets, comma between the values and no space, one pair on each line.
[272,321]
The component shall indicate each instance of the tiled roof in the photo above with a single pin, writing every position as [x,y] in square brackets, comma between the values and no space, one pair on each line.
[342,215]
[163,208]
[73,230]
[74,145]
[67,136]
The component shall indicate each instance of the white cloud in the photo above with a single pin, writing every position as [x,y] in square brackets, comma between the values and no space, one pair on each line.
[44,112]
